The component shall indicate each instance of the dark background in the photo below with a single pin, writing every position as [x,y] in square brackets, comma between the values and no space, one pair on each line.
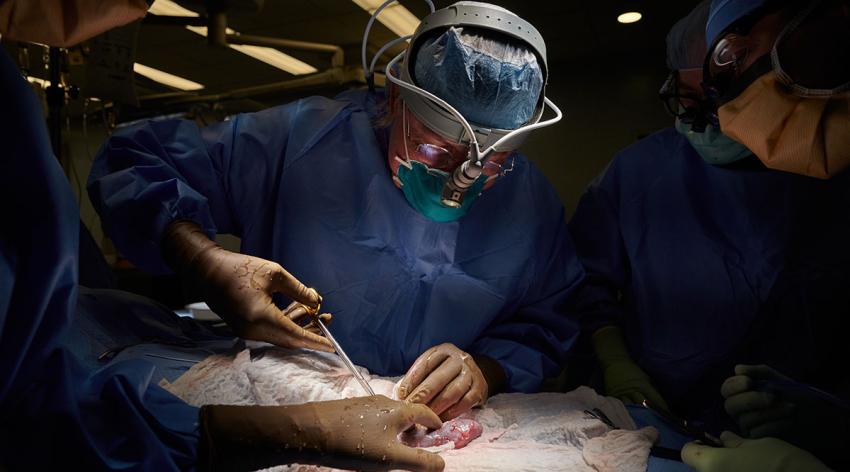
[603,75]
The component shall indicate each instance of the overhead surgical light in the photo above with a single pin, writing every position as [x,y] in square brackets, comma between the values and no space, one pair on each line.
[629,17]
[395,17]
[270,56]
[165,78]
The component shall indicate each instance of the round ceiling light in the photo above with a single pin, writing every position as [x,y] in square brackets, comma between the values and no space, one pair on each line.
[629,17]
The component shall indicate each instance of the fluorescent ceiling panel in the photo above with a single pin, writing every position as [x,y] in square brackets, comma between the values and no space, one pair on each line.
[270,56]
[165,78]
[395,17]
[169,8]
[275,58]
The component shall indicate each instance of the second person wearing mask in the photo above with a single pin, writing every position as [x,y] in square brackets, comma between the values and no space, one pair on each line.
[698,257]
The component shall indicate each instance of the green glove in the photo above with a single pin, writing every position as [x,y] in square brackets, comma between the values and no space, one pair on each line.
[622,376]
[738,454]
[803,420]
[759,414]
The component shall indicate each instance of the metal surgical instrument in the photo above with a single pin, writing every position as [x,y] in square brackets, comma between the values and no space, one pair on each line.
[344,357]
[345,360]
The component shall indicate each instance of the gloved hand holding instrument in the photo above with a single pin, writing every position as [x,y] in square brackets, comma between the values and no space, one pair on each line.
[239,288]
[335,433]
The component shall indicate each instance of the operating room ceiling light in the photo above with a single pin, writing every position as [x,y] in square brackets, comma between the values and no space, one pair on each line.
[270,56]
[165,78]
[395,17]
[629,17]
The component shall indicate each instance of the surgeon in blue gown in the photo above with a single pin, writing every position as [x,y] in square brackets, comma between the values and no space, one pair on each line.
[64,405]
[309,188]
[699,257]
[52,407]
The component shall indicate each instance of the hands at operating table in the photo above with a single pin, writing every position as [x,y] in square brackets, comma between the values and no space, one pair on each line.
[790,426]
[450,381]
[744,455]
[239,288]
[355,433]
[766,403]
[758,413]
[623,378]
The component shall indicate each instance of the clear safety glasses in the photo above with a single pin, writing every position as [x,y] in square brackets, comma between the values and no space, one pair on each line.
[468,172]
[740,56]
[810,53]
[444,119]
[440,158]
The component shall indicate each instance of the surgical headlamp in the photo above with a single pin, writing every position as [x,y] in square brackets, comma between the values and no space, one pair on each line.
[444,119]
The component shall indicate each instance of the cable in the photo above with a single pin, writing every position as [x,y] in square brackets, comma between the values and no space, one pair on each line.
[366,70]
[383,49]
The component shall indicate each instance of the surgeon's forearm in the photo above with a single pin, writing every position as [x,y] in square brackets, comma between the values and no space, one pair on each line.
[182,242]
[493,373]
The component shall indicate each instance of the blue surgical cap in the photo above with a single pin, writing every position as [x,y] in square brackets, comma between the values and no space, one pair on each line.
[724,13]
[492,82]
[686,40]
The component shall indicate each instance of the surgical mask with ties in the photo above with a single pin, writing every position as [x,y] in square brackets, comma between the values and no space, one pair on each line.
[423,186]
[712,145]
[422,180]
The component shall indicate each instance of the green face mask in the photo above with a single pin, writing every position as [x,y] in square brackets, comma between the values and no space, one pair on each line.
[422,186]
[712,145]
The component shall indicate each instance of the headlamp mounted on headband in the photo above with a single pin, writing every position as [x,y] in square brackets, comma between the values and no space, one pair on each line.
[445,120]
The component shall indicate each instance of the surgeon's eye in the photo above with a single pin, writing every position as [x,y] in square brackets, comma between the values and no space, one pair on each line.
[434,156]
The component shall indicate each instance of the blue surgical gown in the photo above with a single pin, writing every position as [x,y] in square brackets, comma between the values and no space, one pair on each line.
[56,412]
[307,185]
[705,266]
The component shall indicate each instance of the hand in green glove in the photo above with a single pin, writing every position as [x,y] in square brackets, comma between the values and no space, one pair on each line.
[745,455]
[759,414]
[803,420]
[622,376]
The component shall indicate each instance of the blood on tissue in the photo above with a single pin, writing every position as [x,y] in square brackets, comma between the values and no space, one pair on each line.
[460,431]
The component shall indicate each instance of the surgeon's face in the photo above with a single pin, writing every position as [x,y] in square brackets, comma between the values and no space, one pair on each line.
[689,86]
[410,137]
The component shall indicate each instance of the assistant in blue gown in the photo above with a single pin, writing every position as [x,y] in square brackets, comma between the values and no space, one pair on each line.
[707,266]
[56,412]
[307,185]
